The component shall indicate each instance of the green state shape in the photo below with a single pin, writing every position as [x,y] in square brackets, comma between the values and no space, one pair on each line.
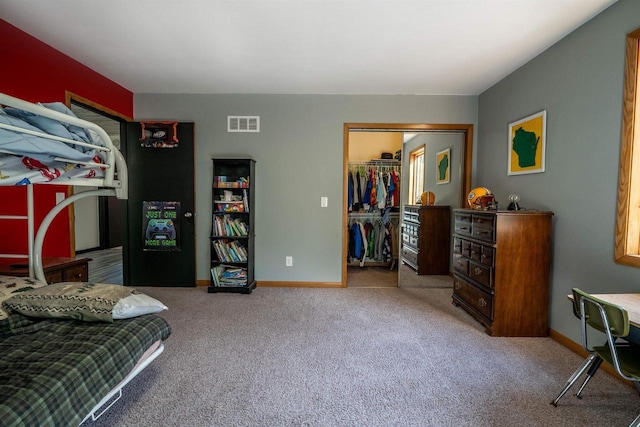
[525,144]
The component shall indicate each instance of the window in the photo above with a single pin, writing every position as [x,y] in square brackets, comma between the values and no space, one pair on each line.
[416,175]
[627,239]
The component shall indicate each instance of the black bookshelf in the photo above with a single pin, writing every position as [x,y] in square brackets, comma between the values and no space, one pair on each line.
[232,226]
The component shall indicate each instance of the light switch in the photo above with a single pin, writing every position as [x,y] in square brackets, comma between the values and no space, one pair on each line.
[324,202]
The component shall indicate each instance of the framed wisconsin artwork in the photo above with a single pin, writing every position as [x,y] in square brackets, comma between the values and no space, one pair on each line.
[527,144]
[443,166]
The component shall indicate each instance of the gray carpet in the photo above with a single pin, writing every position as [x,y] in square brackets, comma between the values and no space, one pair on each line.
[353,357]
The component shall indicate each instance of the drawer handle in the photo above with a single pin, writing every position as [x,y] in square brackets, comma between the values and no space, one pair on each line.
[482,302]
[459,263]
[458,286]
[477,271]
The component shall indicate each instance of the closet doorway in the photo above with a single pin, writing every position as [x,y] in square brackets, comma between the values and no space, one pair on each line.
[374,175]
[364,144]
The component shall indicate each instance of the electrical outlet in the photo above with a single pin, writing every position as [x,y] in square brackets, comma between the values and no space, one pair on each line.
[324,202]
[288,261]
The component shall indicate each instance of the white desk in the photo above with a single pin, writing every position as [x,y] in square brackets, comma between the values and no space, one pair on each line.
[630,302]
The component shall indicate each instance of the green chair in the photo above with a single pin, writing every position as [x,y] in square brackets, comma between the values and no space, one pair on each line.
[613,321]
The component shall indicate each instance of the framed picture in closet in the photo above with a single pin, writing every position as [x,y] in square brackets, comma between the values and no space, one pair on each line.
[443,166]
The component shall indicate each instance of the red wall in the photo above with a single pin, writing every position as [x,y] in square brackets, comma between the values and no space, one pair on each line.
[36,72]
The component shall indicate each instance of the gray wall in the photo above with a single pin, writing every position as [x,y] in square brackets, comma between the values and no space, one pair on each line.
[299,154]
[579,82]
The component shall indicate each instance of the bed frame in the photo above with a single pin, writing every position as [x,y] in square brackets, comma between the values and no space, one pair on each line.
[114,183]
[116,393]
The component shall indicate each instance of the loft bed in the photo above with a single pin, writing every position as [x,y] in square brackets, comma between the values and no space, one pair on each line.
[48,144]
[61,365]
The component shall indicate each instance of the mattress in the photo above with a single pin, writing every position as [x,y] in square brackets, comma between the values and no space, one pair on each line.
[54,372]
[32,151]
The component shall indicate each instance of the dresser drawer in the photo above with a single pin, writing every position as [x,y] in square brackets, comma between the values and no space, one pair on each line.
[474,297]
[56,269]
[410,229]
[487,256]
[476,251]
[409,255]
[405,237]
[486,221]
[466,248]
[461,246]
[481,253]
[76,273]
[54,276]
[462,218]
[461,263]
[462,223]
[457,245]
[411,215]
[481,273]
[483,227]
[410,240]
[463,228]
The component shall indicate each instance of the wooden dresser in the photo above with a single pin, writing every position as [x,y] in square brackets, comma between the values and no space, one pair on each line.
[57,269]
[501,263]
[426,236]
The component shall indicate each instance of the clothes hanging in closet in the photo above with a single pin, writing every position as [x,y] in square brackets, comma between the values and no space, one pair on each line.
[373,240]
[372,187]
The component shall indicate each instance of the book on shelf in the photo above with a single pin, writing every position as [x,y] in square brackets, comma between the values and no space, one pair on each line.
[228,275]
[245,199]
[220,252]
[227,254]
[230,251]
[216,248]
[241,226]
[239,250]
[214,276]
[233,227]
[224,225]
[224,182]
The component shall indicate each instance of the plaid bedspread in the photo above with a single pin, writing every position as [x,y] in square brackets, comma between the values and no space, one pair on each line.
[53,372]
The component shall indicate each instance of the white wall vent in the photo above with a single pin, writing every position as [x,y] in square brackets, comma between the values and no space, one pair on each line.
[243,123]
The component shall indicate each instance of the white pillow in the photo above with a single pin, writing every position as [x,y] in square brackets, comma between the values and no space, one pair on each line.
[136,305]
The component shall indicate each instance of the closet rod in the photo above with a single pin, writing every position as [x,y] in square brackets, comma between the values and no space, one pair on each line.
[370,214]
[377,162]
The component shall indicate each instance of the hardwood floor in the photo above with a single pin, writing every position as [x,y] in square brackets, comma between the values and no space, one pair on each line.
[105,265]
[403,276]
[371,277]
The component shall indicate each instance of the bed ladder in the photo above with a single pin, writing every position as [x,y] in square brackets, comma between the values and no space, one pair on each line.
[30,230]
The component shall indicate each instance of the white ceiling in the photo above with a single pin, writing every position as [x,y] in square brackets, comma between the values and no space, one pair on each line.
[449,47]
